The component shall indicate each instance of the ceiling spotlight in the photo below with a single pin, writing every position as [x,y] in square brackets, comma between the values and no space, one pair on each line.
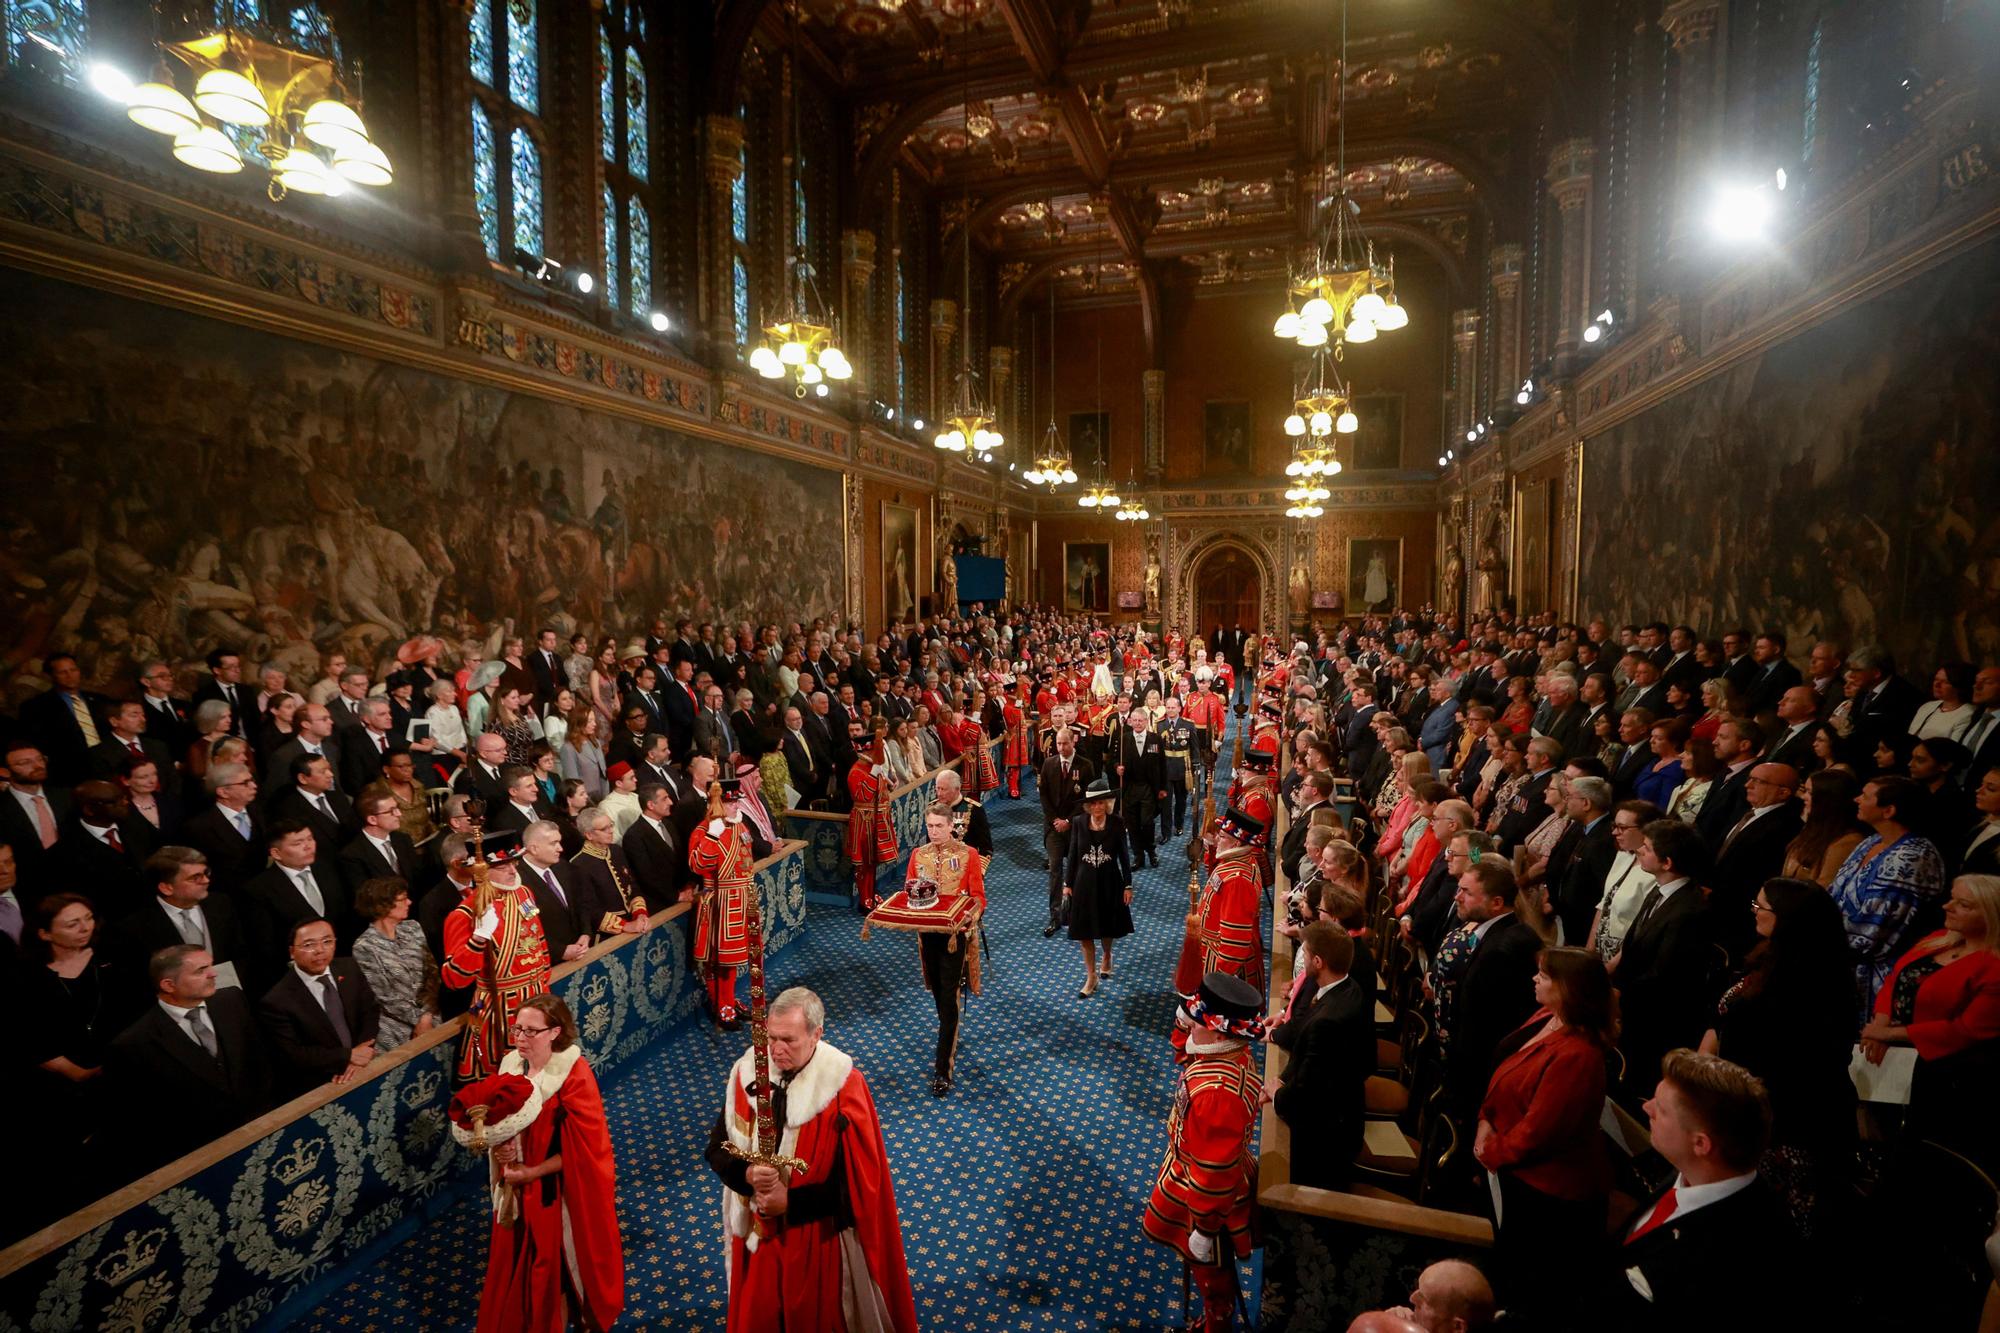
[1781,179]
[892,417]
[659,322]
[918,424]
[820,389]
[1739,214]
[585,283]
[1449,455]
[111,81]
[1441,460]
[1590,335]
[1471,436]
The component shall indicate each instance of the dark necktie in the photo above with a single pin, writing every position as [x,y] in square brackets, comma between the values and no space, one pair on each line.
[549,878]
[203,1033]
[1645,912]
[329,997]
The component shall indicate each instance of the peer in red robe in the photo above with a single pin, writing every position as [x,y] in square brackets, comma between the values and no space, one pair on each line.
[1015,752]
[561,1258]
[833,1261]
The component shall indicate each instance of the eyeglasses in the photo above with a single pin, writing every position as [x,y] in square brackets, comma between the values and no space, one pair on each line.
[1763,907]
[518,1031]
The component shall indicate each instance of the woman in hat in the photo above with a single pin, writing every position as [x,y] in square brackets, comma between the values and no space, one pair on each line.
[1097,882]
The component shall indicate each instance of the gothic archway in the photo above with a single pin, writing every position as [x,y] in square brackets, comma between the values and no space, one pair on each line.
[1213,557]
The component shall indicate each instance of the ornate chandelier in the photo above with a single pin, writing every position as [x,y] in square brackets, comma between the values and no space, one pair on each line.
[1101,496]
[803,341]
[1341,293]
[248,92]
[1135,510]
[1322,409]
[1052,464]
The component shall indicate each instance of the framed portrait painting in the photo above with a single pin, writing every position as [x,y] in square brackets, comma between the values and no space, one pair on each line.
[1089,441]
[1226,440]
[1086,576]
[1378,440]
[903,575]
[1374,573]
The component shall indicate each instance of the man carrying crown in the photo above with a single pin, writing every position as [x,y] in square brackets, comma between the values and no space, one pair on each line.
[493,943]
[952,868]
[1201,1200]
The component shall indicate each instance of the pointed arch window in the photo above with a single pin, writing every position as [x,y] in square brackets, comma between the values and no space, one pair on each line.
[739,238]
[903,326]
[505,59]
[625,138]
[47,36]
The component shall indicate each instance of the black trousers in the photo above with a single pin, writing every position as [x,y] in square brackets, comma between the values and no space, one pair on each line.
[1535,1231]
[944,967]
[1173,810]
[1141,809]
[1057,846]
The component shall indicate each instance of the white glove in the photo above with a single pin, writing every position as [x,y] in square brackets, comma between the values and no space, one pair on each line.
[714,828]
[1202,1247]
[488,924]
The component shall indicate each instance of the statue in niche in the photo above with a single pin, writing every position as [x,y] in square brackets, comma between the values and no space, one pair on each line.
[1492,563]
[1452,566]
[1152,572]
[1301,591]
[948,577]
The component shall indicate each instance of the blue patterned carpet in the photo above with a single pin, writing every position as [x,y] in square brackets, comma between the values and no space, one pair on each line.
[1020,1193]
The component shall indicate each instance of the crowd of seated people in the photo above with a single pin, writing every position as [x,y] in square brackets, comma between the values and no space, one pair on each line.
[217,895]
[1683,876]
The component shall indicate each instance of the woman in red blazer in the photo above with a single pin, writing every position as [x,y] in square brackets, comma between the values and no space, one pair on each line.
[1539,1137]
[1943,997]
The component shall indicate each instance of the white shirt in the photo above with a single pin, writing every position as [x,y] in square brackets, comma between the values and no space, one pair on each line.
[180,1015]
[191,915]
[1690,1198]
[1479,931]
[314,981]
[309,888]
[1327,987]
[1668,888]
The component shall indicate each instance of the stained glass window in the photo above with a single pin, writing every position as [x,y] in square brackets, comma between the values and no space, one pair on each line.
[524,55]
[642,258]
[486,179]
[635,114]
[801,226]
[739,207]
[607,95]
[742,299]
[1811,99]
[527,160]
[482,41]
[48,36]
[611,282]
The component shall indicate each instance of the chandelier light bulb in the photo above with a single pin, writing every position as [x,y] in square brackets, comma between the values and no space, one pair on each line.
[820,390]
[303,172]
[332,124]
[1112,500]
[1295,424]
[1322,423]
[1370,307]
[1360,331]
[209,149]
[1317,311]
[793,353]
[1348,423]
[658,321]
[1333,470]
[1069,476]
[1312,335]
[1287,325]
[160,108]
[1033,476]
[111,81]
[233,99]
[362,162]
[1393,317]
[810,374]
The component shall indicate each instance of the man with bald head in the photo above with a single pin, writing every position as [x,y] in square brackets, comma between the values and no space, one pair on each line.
[1383,1321]
[1753,851]
[1798,711]
[1451,1296]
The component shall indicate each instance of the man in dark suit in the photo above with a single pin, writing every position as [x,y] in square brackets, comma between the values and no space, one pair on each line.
[1703,1254]
[1879,702]
[367,747]
[634,737]
[1798,714]
[1772,673]
[225,682]
[1662,967]
[1359,742]
[101,848]
[299,886]
[229,833]
[1581,885]
[67,721]
[380,849]
[1332,1043]
[1497,992]
[182,911]
[803,758]
[524,804]
[1634,726]
[1752,851]
[321,1016]
[1060,786]
[645,696]
[656,859]
[197,1050]
[167,714]
[546,665]
[1982,733]
[1315,790]
[1738,667]
[713,734]
[1530,804]
[313,800]
[569,918]
[32,814]
[1648,690]
[656,764]
[1567,715]
[1681,668]
[312,736]
[480,776]
[1736,743]
[125,740]
[680,704]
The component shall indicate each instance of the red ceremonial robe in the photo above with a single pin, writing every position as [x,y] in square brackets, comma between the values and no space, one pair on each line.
[564,1250]
[816,1277]
[726,865]
[1209,1177]
[871,834]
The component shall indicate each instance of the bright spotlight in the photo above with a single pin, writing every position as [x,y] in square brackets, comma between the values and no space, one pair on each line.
[918,424]
[111,81]
[1739,214]
[1593,332]
[659,322]
[585,283]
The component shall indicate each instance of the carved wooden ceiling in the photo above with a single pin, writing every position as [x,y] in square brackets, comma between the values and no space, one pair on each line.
[1112,144]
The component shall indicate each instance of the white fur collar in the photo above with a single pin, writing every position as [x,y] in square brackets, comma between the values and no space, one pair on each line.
[554,1074]
[1202,1041]
[812,1089]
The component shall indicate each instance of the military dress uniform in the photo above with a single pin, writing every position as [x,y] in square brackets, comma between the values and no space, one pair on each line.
[1177,739]
[724,853]
[971,827]
[955,868]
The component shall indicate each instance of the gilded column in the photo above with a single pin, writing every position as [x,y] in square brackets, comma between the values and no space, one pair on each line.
[944,326]
[1465,370]
[725,164]
[1695,27]
[1000,385]
[857,271]
[1504,274]
[1569,185]
[1153,385]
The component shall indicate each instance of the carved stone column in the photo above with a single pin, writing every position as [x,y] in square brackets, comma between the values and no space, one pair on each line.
[1465,373]
[857,271]
[999,391]
[1569,185]
[1696,28]
[1504,273]
[458,210]
[944,326]
[1153,386]
[724,164]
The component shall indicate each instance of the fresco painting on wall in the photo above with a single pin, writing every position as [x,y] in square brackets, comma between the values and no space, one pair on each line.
[1090,441]
[1378,438]
[902,576]
[1374,573]
[1226,440]
[227,487]
[1841,484]
[1086,576]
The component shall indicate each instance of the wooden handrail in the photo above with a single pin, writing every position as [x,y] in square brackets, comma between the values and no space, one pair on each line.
[65,1230]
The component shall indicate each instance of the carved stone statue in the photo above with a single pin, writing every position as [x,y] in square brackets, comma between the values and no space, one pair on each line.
[1301,592]
[1152,572]
[1492,563]
[1451,563]
[948,579]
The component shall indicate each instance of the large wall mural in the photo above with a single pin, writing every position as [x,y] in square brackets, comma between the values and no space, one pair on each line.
[1842,484]
[170,484]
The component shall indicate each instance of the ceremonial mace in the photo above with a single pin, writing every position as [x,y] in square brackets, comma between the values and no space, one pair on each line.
[764,1139]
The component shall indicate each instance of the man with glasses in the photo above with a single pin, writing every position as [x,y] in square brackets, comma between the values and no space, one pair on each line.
[1751,852]
[229,833]
[166,712]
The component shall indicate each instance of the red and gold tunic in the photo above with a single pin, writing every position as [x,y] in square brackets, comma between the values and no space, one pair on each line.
[1206,710]
[871,834]
[1015,752]
[726,865]
[1209,1178]
[504,971]
[1226,935]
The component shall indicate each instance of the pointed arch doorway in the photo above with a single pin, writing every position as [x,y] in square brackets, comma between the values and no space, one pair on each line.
[1228,590]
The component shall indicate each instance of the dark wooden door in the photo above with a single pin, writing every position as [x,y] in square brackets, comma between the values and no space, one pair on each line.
[1227,592]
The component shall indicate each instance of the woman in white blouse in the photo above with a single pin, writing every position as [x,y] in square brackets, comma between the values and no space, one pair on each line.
[1625,884]
[1950,710]
[447,728]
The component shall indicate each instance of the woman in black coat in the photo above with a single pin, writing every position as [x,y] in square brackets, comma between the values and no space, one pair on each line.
[1097,882]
